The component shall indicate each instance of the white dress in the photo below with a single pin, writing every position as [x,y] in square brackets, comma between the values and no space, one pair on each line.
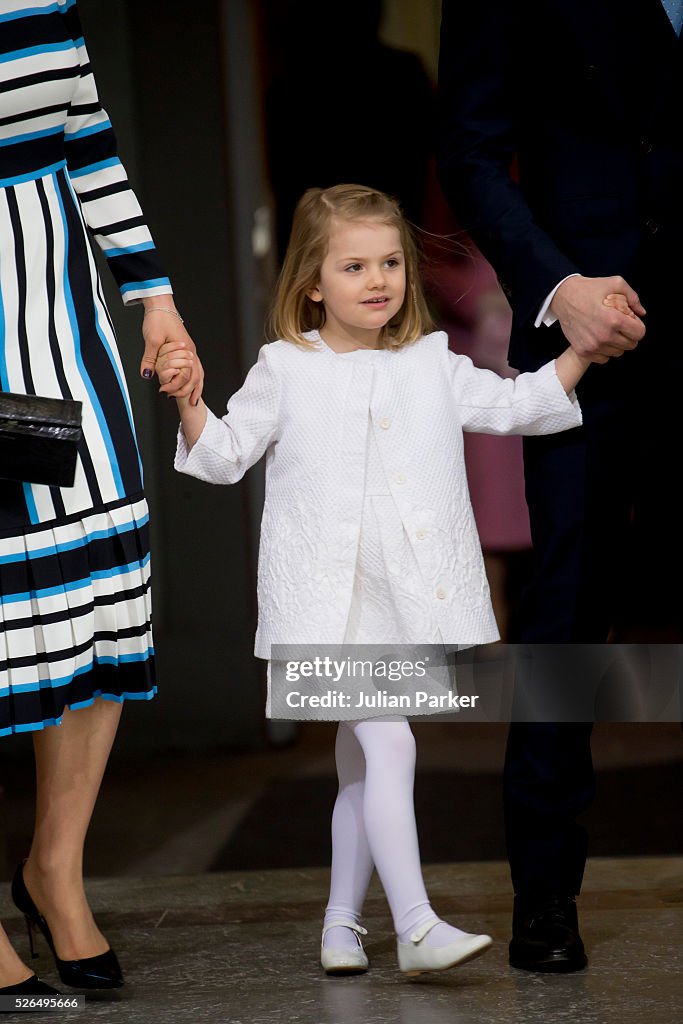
[390,605]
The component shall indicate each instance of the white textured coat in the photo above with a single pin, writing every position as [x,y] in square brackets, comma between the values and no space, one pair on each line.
[308,410]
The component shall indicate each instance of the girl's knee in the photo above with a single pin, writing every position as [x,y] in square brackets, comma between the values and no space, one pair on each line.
[392,742]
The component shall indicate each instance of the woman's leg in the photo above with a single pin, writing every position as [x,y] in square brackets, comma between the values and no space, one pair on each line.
[12,969]
[70,763]
[389,817]
[351,858]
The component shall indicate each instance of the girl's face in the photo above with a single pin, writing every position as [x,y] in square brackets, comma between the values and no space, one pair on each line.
[362,280]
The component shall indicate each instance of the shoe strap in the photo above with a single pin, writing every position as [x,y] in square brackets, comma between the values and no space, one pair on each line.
[424,929]
[358,929]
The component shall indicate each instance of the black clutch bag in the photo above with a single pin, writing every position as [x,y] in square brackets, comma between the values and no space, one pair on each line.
[39,439]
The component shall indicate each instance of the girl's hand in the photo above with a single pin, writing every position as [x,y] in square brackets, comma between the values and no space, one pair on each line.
[175,365]
[160,325]
[616,300]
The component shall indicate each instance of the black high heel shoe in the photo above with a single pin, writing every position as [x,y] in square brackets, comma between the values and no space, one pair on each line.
[102,971]
[30,987]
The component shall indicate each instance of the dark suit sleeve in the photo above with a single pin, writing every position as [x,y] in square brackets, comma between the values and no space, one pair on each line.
[479,131]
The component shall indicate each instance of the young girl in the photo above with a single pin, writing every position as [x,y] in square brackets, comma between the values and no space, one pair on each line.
[367,532]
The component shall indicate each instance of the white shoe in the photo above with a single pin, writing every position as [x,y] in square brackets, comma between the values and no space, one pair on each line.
[415,957]
[344,961]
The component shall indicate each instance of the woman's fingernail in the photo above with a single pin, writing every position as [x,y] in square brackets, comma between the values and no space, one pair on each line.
[147,374]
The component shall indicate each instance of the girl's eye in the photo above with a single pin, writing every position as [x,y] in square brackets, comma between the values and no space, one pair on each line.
[353,266]
[393,263]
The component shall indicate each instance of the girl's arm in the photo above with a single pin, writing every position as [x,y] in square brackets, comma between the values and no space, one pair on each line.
[220,451]
[192,419]
[541,402]
[570,368]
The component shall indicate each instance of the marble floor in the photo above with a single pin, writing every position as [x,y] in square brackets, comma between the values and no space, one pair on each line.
[241,946]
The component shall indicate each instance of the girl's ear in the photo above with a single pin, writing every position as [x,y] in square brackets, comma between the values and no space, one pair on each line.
[315,294]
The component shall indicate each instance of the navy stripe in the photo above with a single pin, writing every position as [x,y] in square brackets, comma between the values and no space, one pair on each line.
[72,22]
[103,191]
[92,149]
[42,685]
[22,712]
[79,517]
[25,52]
[28,12]
[119,225]
[27,114]
[56,353]
[80,109]
[103,636]
[68,614]
[138,270]
[20,262]
[26,554]
[52,570]
[34,35]
[78,296]
[31,156]
[105,307]
[94,355]
[38,77]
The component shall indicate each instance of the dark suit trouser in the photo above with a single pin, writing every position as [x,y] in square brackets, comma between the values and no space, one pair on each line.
[607,539]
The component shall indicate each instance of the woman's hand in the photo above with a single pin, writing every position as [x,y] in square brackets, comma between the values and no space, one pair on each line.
[160,326]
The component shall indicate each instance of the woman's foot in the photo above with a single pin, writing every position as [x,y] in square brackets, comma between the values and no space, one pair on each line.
[98,970]
[62,902]
[32,986]
[13,970]
[341,949]
[436,946]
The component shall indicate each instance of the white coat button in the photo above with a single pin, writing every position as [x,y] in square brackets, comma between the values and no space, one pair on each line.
[420,534]
[440,593]
[385,423]
[399,478]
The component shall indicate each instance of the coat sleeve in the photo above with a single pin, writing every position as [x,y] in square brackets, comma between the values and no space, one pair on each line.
[478,142]
[532,403]
[110,207]
[228,447]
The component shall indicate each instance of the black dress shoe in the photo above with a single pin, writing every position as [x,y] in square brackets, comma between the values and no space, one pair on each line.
[102,971]
[545,935]
[30,987]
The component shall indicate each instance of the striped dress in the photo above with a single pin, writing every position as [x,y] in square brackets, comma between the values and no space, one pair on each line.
[74,562]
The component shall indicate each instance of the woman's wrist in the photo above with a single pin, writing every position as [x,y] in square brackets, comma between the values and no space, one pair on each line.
[164,302]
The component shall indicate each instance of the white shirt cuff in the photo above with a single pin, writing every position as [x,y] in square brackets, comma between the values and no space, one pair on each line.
[544,316]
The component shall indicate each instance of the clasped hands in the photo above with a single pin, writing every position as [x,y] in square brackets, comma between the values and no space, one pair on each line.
[176,364]
[163,330]
[599,316]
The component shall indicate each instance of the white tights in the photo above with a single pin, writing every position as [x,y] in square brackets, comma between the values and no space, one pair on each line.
[373,824]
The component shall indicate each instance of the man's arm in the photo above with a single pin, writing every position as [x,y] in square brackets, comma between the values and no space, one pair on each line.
[477,148]
[477,91]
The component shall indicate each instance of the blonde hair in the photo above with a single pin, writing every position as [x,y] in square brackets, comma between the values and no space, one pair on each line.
[294,312]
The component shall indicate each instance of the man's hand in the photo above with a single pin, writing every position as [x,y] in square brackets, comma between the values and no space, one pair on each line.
[596,329]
